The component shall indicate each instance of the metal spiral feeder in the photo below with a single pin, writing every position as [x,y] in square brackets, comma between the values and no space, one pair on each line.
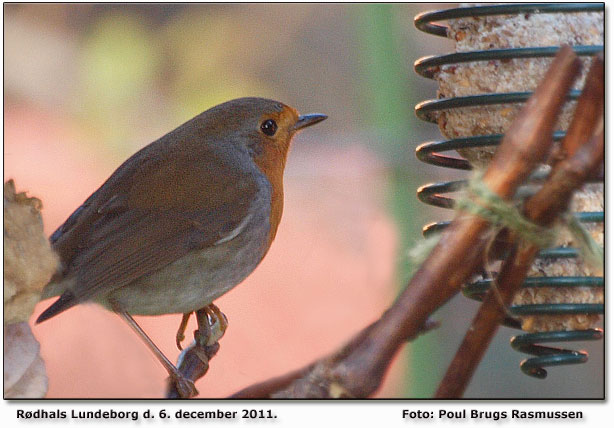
[430,152]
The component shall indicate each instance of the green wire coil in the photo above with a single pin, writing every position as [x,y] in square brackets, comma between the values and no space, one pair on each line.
[434,193]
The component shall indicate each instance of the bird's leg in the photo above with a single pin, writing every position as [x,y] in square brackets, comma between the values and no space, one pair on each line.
[181,330]
[185,386]
[212,324]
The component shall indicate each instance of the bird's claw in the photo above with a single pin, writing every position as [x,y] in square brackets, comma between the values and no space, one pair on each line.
[181,330]
[212,325]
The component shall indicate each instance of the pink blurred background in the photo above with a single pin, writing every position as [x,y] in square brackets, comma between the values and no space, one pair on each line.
[87,85]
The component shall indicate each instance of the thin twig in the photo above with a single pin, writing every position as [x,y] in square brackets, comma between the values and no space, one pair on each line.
[589,109]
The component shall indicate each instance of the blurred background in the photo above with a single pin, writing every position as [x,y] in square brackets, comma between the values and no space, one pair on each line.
[86,86]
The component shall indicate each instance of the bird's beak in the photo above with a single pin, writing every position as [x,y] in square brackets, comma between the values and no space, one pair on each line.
[308,119]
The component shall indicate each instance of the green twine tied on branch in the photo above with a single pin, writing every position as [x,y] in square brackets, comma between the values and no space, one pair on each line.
[483,202]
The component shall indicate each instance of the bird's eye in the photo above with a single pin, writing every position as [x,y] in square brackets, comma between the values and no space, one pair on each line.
[269,127]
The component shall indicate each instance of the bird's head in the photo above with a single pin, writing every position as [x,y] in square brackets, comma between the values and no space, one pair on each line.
[265,126]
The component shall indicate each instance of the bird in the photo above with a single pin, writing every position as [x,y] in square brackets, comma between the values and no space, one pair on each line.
[183,220]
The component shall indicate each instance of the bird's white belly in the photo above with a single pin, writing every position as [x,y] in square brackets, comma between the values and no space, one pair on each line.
[200,277]
[187,284]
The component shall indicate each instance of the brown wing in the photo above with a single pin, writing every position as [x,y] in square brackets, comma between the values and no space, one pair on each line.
[156,213]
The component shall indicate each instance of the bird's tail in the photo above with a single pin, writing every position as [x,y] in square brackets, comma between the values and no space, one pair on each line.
[53,289]
[67,300]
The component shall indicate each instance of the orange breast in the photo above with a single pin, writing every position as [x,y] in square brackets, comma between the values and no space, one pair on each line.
[272,162]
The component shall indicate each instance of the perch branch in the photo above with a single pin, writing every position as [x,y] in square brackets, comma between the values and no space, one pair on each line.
[193,364]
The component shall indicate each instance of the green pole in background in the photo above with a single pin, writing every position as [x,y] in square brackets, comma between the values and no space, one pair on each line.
[386,102]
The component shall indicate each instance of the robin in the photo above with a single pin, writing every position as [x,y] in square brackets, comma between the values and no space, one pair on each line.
[183,220]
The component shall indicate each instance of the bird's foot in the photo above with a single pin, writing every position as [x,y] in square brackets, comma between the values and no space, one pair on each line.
[212,325]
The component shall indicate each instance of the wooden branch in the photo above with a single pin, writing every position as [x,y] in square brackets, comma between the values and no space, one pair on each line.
[269,387]
[313,381]
[583,157]
[358,369]
[542,209]
[589,109]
